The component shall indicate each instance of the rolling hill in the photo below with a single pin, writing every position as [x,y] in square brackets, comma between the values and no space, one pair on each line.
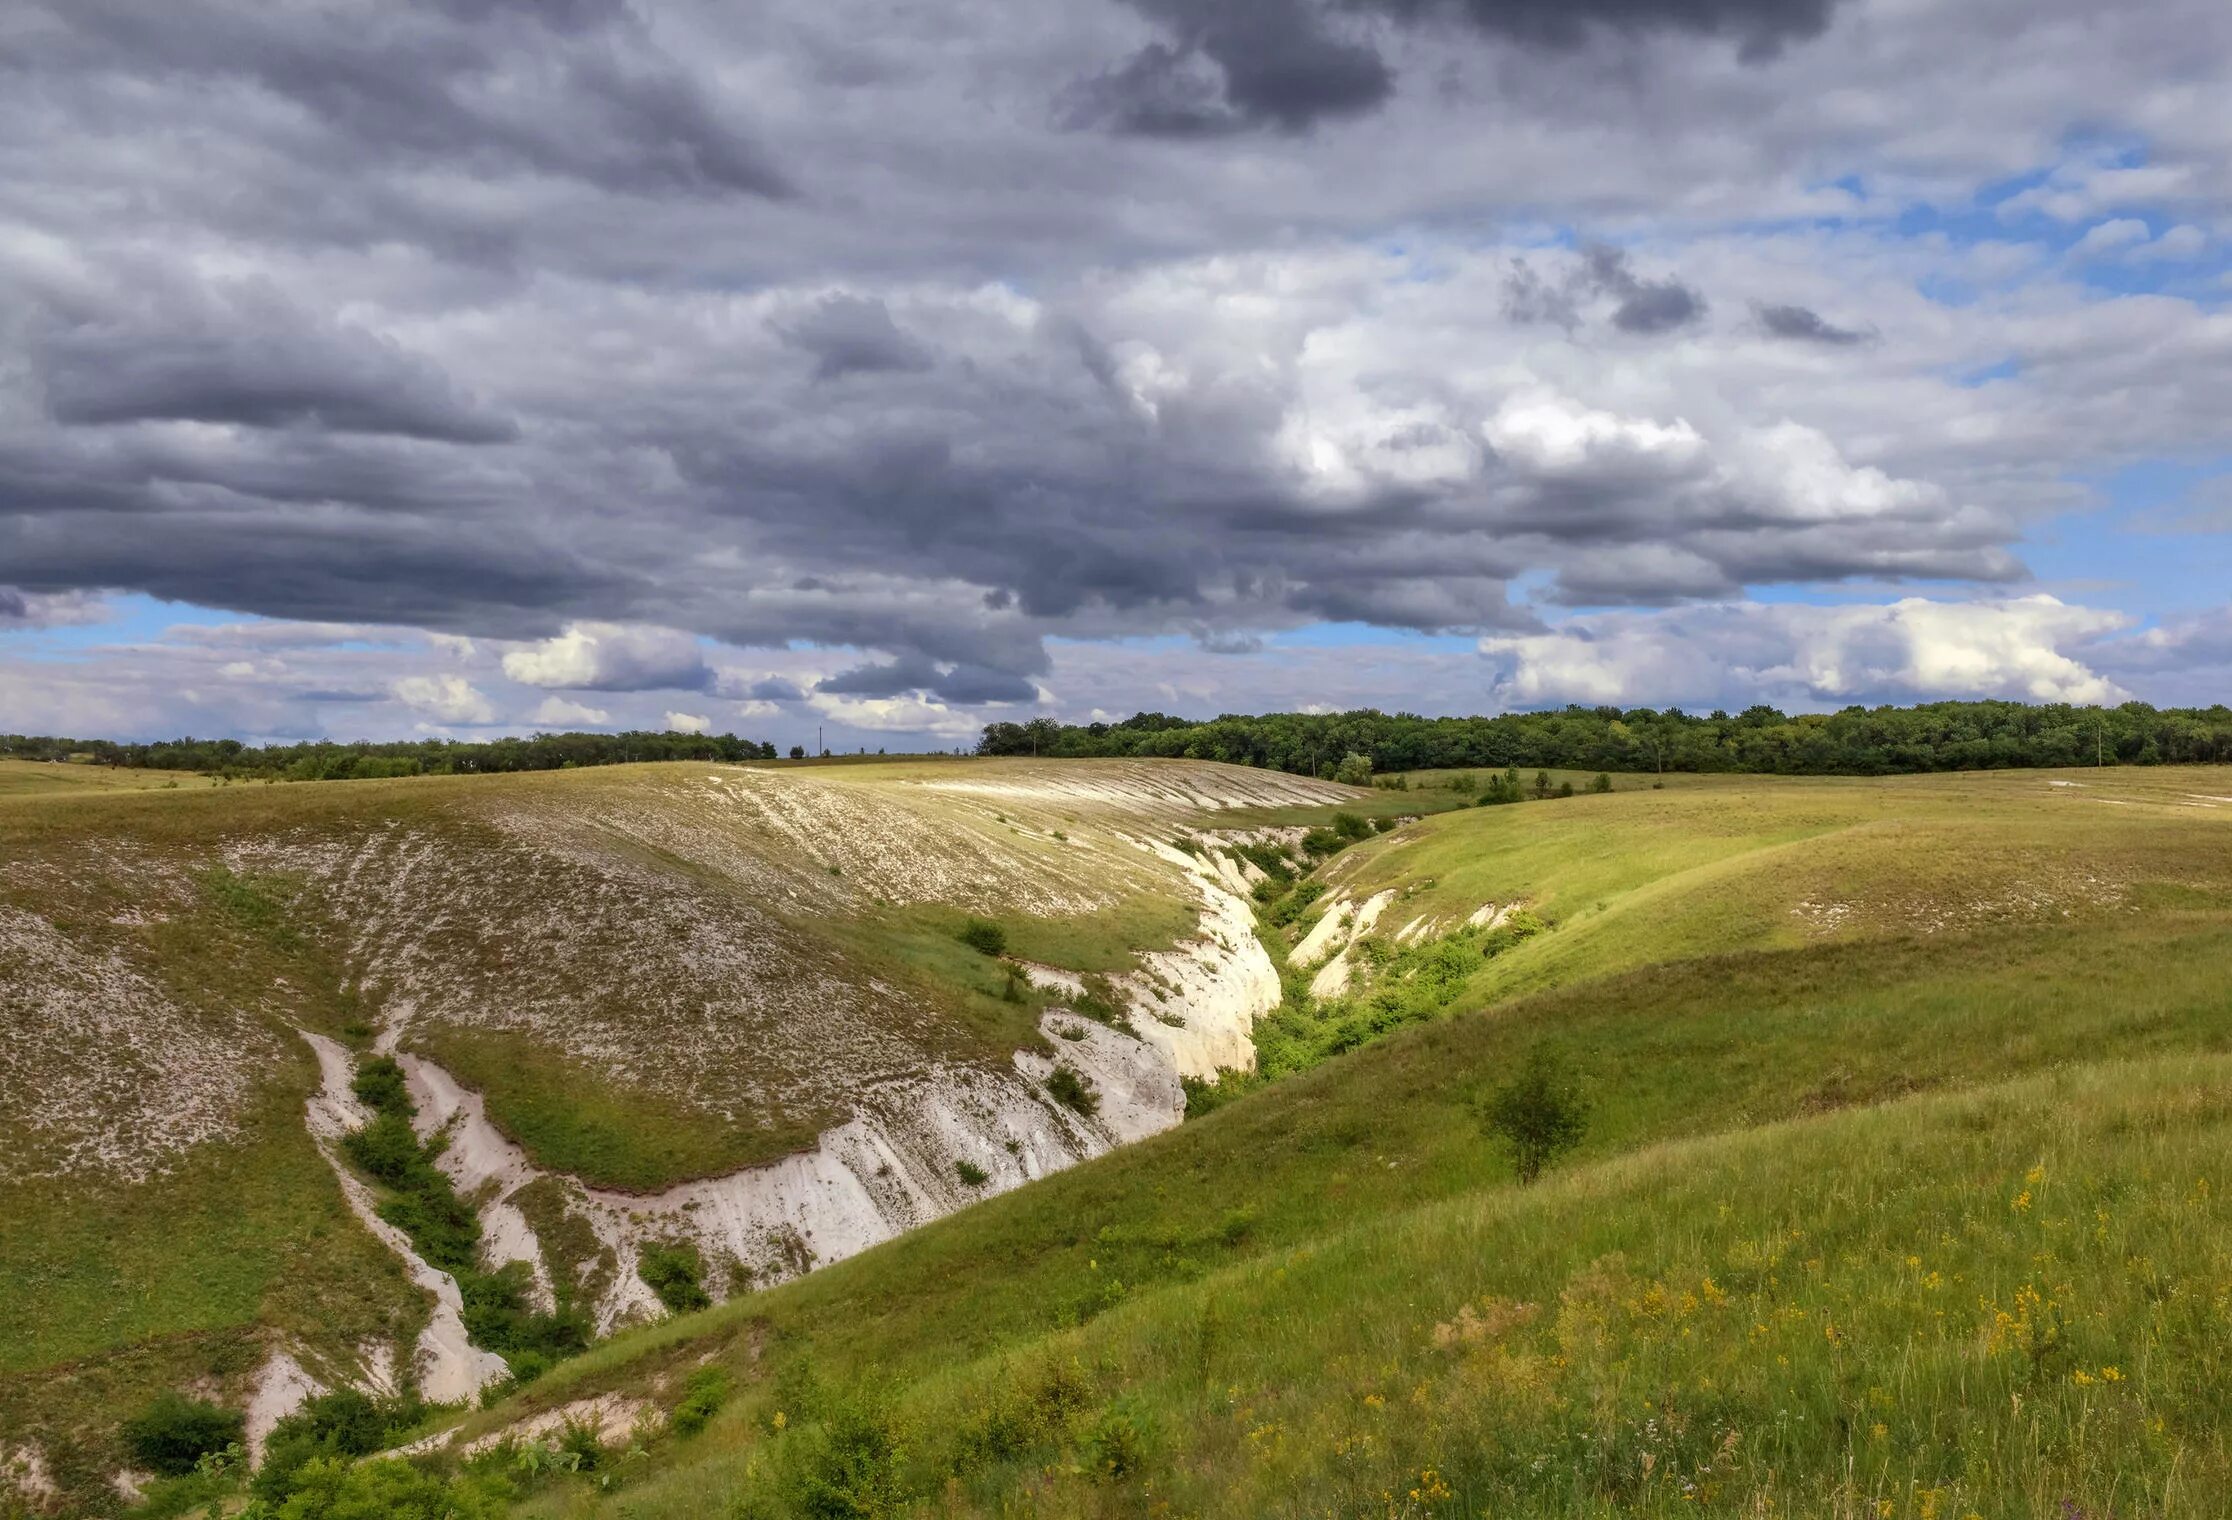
[1897,1197]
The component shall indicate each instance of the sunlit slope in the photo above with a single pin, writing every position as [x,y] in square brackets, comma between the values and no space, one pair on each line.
[1641,877]
[646,974]
[2004,1303]
[1259,1291]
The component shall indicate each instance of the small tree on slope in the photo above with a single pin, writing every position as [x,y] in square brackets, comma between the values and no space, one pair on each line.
[1540,1113]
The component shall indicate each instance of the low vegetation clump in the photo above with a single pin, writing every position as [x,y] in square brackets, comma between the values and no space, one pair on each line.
[337,1427]
[443,1228]
[676,1273]
[175,1432]
[1397,986]
[704,1392]
[983,936]
[1072,1091]
[970,1173]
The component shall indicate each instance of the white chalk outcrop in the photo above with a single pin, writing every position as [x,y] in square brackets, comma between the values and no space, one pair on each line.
[450,1368]
[894,1165]
[1329,939]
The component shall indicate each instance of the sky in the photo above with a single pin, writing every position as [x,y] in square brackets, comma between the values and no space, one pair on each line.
[881,370]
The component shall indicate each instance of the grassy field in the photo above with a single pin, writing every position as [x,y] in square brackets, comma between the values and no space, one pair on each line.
[30,778]
[1898,1198]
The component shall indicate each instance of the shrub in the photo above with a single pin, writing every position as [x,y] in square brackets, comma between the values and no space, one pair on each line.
[1116,1445]
[1019,1413]
[170,1435]
[1322,842]
[702,1397]
[853,1467]
[1565,788]
[379,1085]
[674,1271]
[971,1173]
[1354,770]
[1297,902]
[386,1149]
[1382,825]
[1542,784]
[344,1423]
[497,1316]
[983,936]
[581,1445]
[1073,1091]
[1350,826]
[1540,1113]
[1602,784]
[335,1488]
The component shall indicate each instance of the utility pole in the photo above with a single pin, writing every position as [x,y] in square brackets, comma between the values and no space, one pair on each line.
[819,748]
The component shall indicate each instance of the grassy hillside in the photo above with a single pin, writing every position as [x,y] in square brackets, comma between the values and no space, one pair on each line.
[1899,1198]
[648,973]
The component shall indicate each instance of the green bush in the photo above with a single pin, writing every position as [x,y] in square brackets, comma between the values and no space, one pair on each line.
[344,1423]
[983,936]
[379,1085]
[971,1173]
[173,1433]
[1354,770]
[1073,1091]
[1603,783]
[1019,1414]
[1293,905]
[675,1272]
[1540,1114]
[1116,1445]
[1319,842]
[702,1397]
[1350,826]
[336,1488]
[497,1315]
[852,1466]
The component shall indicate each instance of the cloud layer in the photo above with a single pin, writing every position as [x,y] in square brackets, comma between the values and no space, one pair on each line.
[831,361]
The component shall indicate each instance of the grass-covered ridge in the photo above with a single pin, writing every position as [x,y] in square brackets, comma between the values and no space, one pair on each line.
[1201,1282]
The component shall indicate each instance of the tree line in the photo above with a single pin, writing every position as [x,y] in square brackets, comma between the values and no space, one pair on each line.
[325,760]
[1858,741]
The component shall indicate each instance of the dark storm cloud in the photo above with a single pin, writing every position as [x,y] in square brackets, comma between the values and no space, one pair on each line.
[1292,64]
[579,90]
[1281,64]
[1645,306]
[1802,324]
[255,363]
[853,335]
[1601,276]
[964,684]
[1761,27]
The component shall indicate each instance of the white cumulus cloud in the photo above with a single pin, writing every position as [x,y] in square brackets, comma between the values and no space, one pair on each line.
[451,699]
[611,657]
[555,711]
[2029,648]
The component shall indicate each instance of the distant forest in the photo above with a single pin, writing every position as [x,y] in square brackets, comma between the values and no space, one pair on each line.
[409,757]
[1872,741]
[1876,741]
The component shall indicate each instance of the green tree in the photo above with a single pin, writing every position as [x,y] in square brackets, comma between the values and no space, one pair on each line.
[1540,1114]
[1354,770]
